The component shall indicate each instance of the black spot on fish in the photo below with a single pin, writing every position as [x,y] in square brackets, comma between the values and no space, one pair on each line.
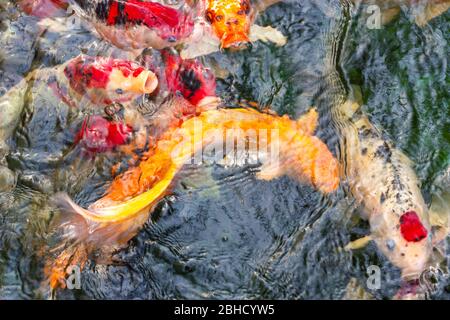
[191,81]
[397,182]
[84,4]
[382,198]
[384,151]
[102,9]
[398,197]
[121,18]
[365,132]
[364,151]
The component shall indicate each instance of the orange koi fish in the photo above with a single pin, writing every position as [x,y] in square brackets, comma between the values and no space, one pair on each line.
[229,24]
[119,214]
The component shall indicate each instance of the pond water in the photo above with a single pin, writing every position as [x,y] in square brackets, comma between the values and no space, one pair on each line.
[222,233]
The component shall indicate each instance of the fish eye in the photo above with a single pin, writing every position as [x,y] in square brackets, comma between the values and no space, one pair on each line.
[119,91]
[207,74]
[218,17]
[209,16]
[241,12]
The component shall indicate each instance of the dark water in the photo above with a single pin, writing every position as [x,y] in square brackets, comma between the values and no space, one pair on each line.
[223,233]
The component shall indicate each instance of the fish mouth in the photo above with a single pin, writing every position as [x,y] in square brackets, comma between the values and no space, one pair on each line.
[151,82]
[235,41]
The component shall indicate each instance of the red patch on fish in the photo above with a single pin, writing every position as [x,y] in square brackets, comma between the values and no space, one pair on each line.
[411,228]
[168,21]
[189,78]
[43,8]
[99,135]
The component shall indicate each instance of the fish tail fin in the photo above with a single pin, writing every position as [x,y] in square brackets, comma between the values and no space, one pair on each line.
[73,230]
[79,236]
[71,258]
[71,217]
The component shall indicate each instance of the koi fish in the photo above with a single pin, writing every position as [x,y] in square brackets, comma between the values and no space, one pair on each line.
[119,214]
[229,24]
[43,8]
[231,21]
[107,80]
[382,179]
[422,10]
[190,78]
[99,80]
[97,134]
[135,24]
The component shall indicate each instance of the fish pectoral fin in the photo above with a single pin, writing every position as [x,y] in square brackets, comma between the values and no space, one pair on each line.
[439,234]
[358,243]
[354,291]
[430,12]
[439,216]
[267,34]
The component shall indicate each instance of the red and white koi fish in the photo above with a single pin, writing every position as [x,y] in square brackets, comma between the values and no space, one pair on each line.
[190,78]
[93,79]
[107,80]
[98,134]
[135,24]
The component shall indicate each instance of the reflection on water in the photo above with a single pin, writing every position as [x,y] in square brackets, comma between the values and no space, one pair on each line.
[223,233]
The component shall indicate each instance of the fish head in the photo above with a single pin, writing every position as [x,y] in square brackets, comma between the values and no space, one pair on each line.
[231,20]
[107,80]
[189,77]
[97,134]
[406,242]
[44,8]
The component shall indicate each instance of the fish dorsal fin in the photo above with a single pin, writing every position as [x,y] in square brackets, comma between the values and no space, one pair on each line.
[307,123]
[267,34]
